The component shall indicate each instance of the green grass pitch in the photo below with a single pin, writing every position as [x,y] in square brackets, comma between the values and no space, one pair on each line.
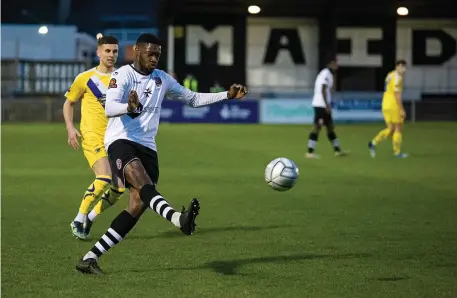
[351,227]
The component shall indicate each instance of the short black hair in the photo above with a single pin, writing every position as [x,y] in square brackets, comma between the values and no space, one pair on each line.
[148,38]
[400,62]
[329,57]
[107,40]
[331,60]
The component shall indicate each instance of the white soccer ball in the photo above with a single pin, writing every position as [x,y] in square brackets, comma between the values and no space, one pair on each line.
[281,174]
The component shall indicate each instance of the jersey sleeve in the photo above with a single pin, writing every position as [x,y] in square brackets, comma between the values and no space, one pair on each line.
[398,83]
[327,80]
[116,99]
[77,89]
[193,99]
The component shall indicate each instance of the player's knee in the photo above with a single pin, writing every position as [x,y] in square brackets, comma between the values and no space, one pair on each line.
[102,167]
[316,128]
[136,175]
[136,209]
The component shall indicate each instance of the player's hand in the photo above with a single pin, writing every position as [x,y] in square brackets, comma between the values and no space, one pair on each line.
[73,135]
[403,114]
[134,101]
[237,91]
[328,110]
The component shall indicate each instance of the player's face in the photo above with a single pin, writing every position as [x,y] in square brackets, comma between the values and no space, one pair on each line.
[108,54]
[334,65]
[401,68]
[149,56]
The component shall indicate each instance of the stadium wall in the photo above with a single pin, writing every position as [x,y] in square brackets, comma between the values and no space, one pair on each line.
[287,53]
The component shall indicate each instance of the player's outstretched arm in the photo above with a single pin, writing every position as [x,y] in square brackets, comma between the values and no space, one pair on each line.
[195,99]
[236,91]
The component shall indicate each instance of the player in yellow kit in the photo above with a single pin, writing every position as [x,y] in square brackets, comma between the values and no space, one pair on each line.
[90,88]
[393,111]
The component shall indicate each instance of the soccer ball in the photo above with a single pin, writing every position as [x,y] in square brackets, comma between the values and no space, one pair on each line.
[281,174]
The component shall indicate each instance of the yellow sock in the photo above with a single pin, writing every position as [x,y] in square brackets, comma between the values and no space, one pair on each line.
[94,192]
[381,136]
[109,198]
[396,142]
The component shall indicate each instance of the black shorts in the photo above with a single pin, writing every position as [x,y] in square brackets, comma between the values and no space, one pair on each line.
[123,152]
[321,117]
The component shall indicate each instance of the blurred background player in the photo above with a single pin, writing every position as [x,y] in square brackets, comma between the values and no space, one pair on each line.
[393,111]
[90,87]
[323,111]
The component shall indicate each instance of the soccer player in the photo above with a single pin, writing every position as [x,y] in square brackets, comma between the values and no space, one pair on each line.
[322,110]
[90,87]
[393,111]
[133,103]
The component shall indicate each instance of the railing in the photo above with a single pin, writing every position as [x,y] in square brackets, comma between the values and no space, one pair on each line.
[38,77]
[23,78]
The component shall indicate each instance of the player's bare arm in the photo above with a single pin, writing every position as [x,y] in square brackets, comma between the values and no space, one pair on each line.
[324,96]
[136,175]
[73,133]
[400,104]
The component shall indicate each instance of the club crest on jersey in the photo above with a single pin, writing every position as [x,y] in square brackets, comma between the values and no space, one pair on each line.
[158,82]
[119,164]
[112,83]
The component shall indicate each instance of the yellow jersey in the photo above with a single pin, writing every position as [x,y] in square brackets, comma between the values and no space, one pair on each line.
[393,83]
[90,87]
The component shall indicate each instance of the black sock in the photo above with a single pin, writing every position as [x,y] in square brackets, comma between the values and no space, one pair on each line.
[312,142]
[119,228]
[334,140]
[153,199]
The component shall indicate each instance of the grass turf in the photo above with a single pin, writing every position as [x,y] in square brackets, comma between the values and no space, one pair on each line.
[351,227]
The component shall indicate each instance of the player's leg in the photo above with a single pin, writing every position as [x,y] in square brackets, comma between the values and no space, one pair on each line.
[397,138]
[314,134]
[121,153]
[96,157]
[138,167]
[332,137]
[108,199]
[123,156]
[117,231]
[383,134]
[143,179]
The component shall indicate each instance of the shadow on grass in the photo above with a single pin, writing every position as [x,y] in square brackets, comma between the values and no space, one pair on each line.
[392,278]
[203,231]
[230,267]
